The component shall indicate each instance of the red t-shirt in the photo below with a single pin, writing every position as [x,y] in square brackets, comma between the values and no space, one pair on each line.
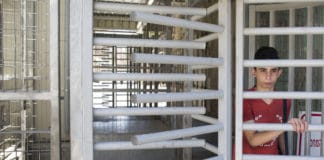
[261,112]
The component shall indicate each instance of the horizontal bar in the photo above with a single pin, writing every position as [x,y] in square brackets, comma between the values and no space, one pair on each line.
[103,146]
[174,134]
[211,148]
[279,1]
[27,131]
[211,9]
[279,157]
[170,21]
[220,157]
[280,6]
[119,7]
[171,97]
[149,111]
[172,59]
[278,127]
[283,30]
[205,119]
[208,37]
[149,43]
[288,95]
[284,63]
[21,95]
[101,76]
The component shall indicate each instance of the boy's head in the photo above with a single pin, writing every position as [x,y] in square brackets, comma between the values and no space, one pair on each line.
[266,53]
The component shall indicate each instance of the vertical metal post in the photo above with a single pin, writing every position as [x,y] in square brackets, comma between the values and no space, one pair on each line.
[271,24]
[239,79]
[291,70]
[309,77]
[81,42]
[252,18]
[55,118]
[225,79]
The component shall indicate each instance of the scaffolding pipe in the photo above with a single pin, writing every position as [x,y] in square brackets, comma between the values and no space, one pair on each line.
[119,7]
[170,21]
[149,43]
[102,112]
[205,119]
[288,95]
[283,30]
[101,76]
[172,59]
[174,134]
[211,9]
[172,97]
[278,127]
[103,146]
[279,1]
[208,38]
[279,157]
[284,63]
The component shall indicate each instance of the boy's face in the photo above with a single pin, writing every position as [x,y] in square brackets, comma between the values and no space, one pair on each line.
[266,77]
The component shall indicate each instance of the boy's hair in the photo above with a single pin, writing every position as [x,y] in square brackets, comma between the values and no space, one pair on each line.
[266,53]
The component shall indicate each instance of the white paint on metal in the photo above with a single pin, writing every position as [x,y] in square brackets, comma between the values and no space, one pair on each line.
[102,112]
[172,59]
[127,8]
[132,42]
[280,1]
[205,119]
[279,157]
[174,134]
[211,9]
[127,145]
[279,127]
[165,20]
[284,63]
[283,30]
[208,37]
[280,94]
[102,76]
[172,97]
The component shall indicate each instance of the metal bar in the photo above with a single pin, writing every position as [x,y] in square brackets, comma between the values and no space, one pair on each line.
[285,6]
[279,1]
[101,76]
[284,63]
[26,132]
[164,20]
[283,30]
[103,146]
[172,97]
[208,38]
[174,134]
[239,45]
[278,127]
[172,59]
[211,9]
[102,112]
[149,43]
[26,95]
[220,157]
[211,148]
[205,119]
[279,157]
[81,44]
[225,80]
[119,7]
[289,95]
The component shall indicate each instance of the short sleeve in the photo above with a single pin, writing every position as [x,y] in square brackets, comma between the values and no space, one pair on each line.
[247,111]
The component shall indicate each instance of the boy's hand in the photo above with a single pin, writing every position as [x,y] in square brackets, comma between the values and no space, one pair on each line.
[299,125]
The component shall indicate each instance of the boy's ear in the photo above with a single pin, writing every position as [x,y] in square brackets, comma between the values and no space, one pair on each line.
[252,71]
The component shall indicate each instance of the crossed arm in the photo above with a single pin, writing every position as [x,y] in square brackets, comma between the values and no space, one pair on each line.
[257,138]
